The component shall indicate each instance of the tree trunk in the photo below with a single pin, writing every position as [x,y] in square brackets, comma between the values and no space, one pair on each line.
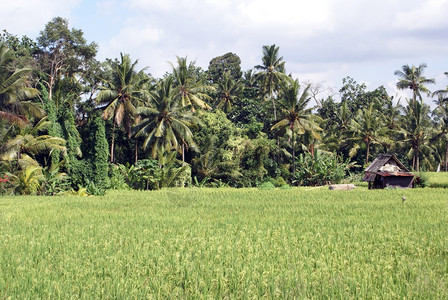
[293,156]
[136,151]
[112,144]
[183,152]
[275,109]
[446,157]
[368,151]
[417,158]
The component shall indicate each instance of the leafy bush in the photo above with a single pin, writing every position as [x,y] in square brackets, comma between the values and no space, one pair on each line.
[420,180]
[117,178]
[144,175]
[321,169]
[94,189]
[266,186]
[278,182]
[5,184]
[80,173]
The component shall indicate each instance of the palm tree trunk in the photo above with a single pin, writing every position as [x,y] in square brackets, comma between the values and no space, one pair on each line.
[293,156]
[312,150]
[368,151]
[275,109]
[183,152]
[446,157]
[417,156]
[275,119]
[136,151]
[112,145]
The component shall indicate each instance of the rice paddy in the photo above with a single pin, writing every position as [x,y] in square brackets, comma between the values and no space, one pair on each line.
[226,243]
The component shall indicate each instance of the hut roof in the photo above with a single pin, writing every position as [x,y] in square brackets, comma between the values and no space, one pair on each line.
[384,159]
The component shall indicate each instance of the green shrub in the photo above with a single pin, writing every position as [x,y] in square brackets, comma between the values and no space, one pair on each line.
[420,180]
[323,168]
[266,186]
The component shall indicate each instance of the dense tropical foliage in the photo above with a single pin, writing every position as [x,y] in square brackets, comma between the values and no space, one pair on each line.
[71,122]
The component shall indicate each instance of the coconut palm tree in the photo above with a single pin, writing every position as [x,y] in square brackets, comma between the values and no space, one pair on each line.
[412,78]
[25,146]
[14,91]
[121,93]
[415,131]
[441,114]
[442,94]
[228,91]
[188,89]
[165,125]
[367,128]
[272,73]
[296,116]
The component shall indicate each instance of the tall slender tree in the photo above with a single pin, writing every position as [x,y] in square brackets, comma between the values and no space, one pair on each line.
[412,78]
[296,115]
[367,128]
[271,74]
[415,129]
[121,93]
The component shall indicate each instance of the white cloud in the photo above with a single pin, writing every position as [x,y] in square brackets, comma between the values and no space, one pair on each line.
[296,18]
[427,15]
[321,40]
[28,17]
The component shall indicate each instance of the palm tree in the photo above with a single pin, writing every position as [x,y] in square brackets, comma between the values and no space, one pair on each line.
[24,147]
[14,91]
[189,89]
[121,93]
[272,73]
[416,130]
[441,113]
[166,124]
[412,78]
[367,127]
[228,90]
[296,117]
[442,93]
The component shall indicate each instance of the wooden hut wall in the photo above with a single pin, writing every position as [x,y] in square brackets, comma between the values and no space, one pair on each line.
[398,181]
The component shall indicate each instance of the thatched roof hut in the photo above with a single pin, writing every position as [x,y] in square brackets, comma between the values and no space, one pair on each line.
[387,171]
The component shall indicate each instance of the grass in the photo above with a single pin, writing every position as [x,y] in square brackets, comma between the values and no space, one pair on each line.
[436,179]
[226,243]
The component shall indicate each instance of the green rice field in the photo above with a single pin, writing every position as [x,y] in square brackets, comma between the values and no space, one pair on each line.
[226,244]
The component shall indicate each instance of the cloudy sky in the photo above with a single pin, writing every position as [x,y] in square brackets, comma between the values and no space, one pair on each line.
[320,40]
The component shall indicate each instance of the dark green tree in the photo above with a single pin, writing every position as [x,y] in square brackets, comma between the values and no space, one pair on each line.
[100,154]
[220,65]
